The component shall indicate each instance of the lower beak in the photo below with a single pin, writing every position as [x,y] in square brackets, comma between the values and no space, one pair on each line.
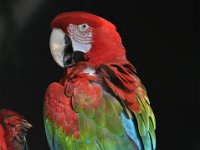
[71,57]
[68,51]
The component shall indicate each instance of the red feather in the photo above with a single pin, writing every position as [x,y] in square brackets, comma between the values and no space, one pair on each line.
[72,89]
[2,139]
[12,130]
[123,82]
[58,109]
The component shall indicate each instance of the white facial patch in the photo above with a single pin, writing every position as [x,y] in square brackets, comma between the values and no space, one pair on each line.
[90,71]
[57,45]
[81,37]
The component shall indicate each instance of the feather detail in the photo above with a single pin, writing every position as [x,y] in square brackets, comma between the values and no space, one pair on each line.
[131,130]
[103,129]
[15,129]
[129,90]
[60,120]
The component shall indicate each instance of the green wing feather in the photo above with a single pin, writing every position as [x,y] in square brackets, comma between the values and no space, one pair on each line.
[146,123]
[57,138]
[103,129]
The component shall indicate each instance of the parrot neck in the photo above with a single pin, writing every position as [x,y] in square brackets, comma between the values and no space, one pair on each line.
[106,57]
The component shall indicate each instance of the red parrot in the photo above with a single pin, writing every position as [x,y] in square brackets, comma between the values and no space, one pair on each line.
[99,103]
[13,128]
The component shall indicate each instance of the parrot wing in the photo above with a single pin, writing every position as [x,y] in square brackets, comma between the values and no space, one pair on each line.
[100,122]
[16,127]
[91,120]
[129,90]
[61,122]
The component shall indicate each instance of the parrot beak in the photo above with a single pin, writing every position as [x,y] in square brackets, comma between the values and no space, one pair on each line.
[68,51]
[62,50]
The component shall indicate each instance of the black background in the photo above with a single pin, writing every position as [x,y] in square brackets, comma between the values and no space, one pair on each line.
[160,38]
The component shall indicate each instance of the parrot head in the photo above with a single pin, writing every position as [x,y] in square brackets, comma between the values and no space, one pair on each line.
[81,36]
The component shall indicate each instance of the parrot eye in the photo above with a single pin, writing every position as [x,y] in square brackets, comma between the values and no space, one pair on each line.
[83,27]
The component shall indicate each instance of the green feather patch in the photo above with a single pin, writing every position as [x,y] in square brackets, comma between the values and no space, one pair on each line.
[103,130]
[87,129]
[146,123]
[56,137]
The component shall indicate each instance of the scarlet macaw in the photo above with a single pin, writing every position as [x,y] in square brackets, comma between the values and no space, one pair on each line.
[13,128]
[99,103]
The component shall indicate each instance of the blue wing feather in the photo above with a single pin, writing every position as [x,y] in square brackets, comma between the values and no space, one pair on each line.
[131,130]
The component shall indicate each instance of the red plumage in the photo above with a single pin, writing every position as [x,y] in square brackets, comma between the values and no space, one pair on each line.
[58,98]
[58,108]
[13,128]
[2,139]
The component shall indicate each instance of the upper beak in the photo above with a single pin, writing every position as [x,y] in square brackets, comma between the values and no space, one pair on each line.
[57,45]
[68,52]
[61,48]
